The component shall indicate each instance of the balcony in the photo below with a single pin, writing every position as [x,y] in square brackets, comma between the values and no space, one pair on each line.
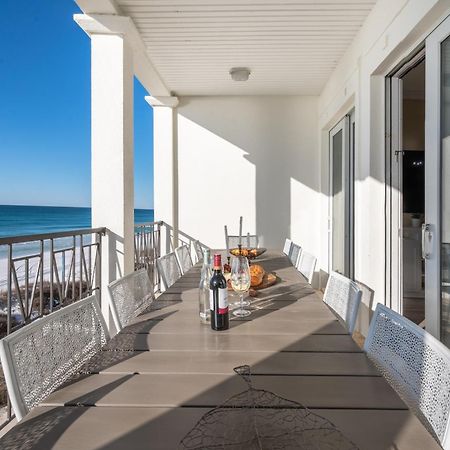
[305,143]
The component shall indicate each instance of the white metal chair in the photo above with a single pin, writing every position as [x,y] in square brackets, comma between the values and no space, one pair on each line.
[129,296]
[294,253]
[344,297]
[184,259]
[287,246]
[168,269]
[306,265]
[43,355]
[416,365]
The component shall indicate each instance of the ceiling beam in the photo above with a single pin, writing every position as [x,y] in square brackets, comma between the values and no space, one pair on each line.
[98,6]
[144,69]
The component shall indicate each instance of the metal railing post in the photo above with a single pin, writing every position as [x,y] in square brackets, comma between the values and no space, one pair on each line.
[9,293]
[41,278]
[98,268]
[52,255]
[81,255]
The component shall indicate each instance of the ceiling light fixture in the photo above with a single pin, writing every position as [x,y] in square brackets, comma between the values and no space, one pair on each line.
[239,73]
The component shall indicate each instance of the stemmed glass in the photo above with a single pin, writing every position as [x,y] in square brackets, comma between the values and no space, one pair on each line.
[240,282]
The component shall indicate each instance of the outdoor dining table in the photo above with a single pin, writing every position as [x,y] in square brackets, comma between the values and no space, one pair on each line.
[158,377]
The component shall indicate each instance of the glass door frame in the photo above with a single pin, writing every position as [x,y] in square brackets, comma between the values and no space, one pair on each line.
[394,180]
[431,236]
[347,126]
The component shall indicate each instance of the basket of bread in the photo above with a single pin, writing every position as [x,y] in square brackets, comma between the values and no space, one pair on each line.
[260,279]
[256,275]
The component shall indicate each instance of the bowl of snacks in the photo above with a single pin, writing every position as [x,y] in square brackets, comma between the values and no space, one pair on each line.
[250,253]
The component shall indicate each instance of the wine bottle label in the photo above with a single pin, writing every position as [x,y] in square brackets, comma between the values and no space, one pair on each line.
[223,300]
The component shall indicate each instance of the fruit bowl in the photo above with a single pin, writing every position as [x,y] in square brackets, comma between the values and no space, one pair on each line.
[250,253]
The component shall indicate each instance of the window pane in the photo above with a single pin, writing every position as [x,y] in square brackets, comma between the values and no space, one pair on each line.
[338,205]
[445,191]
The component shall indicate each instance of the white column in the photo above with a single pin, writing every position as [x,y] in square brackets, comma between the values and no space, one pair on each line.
[165,163]
[112,155]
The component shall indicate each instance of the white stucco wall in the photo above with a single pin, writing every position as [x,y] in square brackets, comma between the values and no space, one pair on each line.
[392,31]
[251,156]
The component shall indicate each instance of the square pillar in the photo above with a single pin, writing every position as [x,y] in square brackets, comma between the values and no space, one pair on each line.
[165,155]
[112,155]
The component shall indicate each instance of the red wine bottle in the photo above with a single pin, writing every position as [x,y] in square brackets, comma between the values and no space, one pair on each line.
[218,297]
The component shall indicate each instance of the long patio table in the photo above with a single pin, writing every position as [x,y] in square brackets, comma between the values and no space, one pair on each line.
[157,378]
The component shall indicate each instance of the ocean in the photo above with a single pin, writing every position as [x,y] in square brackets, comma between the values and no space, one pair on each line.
[29,220]
[24,220]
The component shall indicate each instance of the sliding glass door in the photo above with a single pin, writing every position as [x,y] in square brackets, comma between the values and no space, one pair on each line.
[341,196]
[436,230]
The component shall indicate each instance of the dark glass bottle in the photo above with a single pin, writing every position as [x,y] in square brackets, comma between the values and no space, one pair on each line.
[218,297]
[227,266]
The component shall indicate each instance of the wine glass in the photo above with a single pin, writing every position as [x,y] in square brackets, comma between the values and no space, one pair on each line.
[240,282]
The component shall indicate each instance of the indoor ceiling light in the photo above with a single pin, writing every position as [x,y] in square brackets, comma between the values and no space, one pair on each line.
[240,73]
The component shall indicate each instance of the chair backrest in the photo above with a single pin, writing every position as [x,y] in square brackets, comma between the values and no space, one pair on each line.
[306,265]
[168,269]
[344,297]
[416,365]
[130,295]
[246,240]
[198,250]
[287,246]
[184,259]
[41,356]
[252,240]
[294,253]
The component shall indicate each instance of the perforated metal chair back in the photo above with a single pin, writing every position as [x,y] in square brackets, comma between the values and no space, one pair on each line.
[168,269]
[198,250]
[184,259]
[307,265]
[287,247]
[43,355]
[248,241]
[344,297]
[129,296]
[294,253]
[416,365]
[252,240]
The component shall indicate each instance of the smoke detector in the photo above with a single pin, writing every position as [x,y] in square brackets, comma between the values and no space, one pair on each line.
[239,73]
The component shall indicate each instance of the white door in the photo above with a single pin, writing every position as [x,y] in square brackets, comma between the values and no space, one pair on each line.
[436,231]
[341,143]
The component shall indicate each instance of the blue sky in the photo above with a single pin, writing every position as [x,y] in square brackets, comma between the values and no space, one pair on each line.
[45,109]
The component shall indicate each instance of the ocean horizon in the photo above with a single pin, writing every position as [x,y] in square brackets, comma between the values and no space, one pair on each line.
[18,220]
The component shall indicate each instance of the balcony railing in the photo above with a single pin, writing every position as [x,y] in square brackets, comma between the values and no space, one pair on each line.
[46,271]
[147,249]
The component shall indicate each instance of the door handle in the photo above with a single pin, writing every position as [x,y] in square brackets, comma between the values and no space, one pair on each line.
[427,235]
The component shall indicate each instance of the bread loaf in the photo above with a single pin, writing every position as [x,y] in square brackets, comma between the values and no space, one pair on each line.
[257,274]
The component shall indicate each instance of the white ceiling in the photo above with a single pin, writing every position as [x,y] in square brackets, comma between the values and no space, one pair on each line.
[290,46]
